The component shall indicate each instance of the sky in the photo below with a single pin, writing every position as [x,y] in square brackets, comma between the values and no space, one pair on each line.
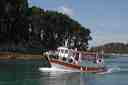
[107,19]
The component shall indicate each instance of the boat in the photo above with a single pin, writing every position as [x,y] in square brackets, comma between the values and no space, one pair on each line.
[69,59]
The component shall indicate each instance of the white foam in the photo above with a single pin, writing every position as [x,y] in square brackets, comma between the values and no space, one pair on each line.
[54,69]
[111,70]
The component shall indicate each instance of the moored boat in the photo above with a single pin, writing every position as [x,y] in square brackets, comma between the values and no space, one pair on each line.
[76,60]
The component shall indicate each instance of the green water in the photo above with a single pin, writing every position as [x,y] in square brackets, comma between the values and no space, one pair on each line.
[19,74]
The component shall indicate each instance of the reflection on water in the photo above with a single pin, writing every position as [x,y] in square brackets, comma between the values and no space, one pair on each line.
[18,76]
[60,78]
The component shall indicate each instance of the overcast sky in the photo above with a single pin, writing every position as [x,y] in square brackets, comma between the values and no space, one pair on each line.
[107,19]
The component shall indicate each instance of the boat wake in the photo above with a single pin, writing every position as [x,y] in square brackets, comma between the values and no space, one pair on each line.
[111,70]
[54,69]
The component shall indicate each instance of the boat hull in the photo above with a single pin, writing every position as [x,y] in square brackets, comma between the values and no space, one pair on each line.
[76,67]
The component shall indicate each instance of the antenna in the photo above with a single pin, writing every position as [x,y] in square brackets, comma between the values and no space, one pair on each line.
[102,52]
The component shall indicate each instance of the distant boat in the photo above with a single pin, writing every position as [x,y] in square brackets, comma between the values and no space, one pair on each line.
[70,59]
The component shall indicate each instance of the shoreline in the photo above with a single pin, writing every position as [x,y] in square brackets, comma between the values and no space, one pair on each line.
[21,56]
[41,56]
[23,61]
[117,54]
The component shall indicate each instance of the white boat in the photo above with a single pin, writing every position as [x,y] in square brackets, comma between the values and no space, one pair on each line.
[64,58]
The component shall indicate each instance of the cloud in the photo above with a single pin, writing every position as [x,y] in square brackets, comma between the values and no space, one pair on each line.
[66,10]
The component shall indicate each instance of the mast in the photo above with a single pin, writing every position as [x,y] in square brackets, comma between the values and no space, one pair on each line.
[102,53]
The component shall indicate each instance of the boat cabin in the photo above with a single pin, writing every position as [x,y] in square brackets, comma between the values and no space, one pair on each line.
[75,57]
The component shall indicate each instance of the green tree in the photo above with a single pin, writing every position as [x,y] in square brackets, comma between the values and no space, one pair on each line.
[54,29]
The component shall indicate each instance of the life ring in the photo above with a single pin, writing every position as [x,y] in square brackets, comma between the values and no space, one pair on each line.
[99,61]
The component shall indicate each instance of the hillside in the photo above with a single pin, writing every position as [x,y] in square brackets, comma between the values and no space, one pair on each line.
[112,48]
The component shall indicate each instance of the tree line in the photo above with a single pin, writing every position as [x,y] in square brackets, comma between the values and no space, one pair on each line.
[113,47]
[24,28]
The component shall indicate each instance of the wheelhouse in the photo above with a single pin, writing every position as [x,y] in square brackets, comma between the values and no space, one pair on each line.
[78,57]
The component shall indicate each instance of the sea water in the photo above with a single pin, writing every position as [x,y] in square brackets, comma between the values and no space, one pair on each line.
[117,74]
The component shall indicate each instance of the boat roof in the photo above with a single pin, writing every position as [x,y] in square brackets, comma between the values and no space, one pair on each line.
[86,54]
[65,48]
[93,53]
[81,52]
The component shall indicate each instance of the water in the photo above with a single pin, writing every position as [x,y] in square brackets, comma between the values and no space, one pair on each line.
[117,74]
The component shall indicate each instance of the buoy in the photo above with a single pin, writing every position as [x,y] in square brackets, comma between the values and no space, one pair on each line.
[99,61]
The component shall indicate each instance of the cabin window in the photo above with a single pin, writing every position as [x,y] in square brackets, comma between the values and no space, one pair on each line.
[64,59]
[58,50]
[66,51]
[77,56]
[62,51]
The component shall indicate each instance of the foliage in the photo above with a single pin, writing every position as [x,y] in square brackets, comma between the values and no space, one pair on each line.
[39,29]
[57,29]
